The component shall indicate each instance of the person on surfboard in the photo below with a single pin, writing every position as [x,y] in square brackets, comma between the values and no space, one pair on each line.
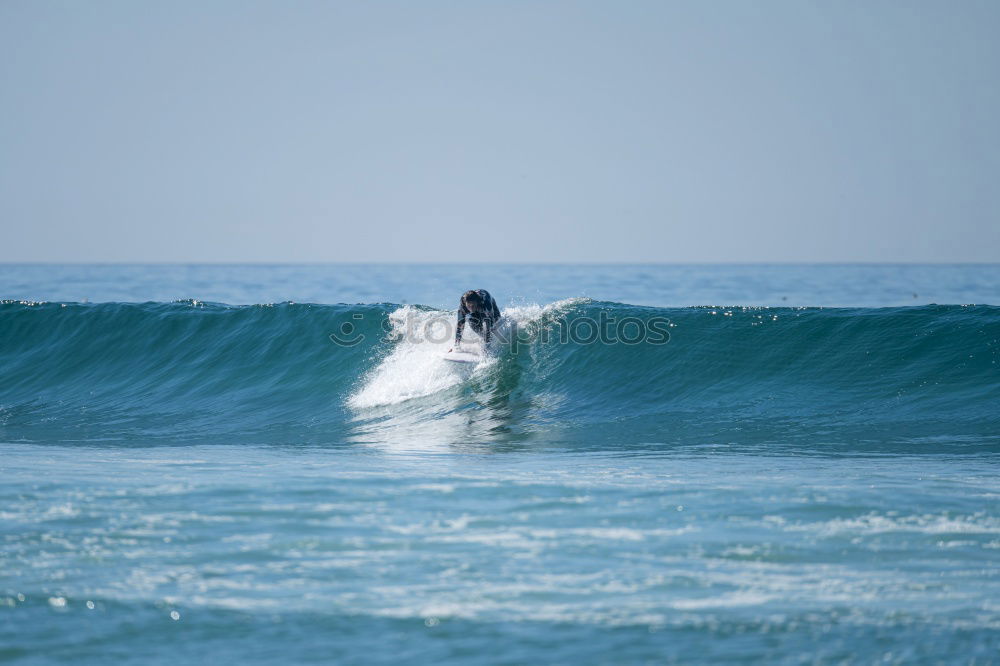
[482,311]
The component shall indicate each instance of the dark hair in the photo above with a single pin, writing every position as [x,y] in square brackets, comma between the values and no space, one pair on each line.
[472,296]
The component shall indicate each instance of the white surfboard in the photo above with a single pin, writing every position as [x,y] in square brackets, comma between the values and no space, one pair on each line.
[463,356]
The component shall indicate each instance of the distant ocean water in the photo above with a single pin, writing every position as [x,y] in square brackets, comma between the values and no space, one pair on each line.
[272,464]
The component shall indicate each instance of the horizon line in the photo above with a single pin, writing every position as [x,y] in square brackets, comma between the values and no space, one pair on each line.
[500,263]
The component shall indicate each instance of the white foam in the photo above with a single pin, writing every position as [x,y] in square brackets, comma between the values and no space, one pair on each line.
[874,523]
[415,367]
[730,600]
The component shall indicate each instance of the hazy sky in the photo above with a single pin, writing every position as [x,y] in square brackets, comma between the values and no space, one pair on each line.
[499,131]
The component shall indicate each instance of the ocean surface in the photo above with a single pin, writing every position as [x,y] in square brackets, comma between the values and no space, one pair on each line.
[785,464]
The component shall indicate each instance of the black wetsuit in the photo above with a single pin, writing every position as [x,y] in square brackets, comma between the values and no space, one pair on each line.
[482,320]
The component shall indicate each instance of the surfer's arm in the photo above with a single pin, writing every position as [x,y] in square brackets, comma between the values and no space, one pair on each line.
[461,324]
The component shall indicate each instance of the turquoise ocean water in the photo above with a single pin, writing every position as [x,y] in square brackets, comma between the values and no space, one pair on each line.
[655,464]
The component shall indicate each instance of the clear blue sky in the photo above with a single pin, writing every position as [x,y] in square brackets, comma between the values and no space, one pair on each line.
[499,131]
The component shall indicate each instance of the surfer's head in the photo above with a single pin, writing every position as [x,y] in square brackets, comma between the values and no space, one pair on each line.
[472,300]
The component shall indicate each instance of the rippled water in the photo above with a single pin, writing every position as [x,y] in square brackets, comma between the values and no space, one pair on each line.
[190,483]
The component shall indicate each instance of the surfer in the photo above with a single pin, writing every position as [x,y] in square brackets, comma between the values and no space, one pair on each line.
[482,311]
